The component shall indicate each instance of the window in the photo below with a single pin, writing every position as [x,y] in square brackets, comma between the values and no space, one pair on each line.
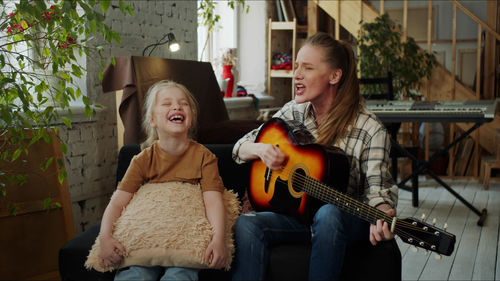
[224,37]
[23,49]
[246,33]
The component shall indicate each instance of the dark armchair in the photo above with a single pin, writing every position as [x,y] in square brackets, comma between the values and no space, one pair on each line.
[287,261]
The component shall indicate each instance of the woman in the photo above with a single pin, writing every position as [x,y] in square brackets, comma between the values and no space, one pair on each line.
[328,103]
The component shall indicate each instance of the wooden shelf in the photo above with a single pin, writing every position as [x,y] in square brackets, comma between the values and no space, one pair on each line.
[279,73]
[283,40]
[282,25]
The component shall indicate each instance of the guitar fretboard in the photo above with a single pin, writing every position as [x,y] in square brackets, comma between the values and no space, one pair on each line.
[324,193]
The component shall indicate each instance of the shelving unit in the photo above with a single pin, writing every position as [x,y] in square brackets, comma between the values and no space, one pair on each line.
[281,37]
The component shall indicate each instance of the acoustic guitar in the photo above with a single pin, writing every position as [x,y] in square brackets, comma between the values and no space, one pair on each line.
[314,175]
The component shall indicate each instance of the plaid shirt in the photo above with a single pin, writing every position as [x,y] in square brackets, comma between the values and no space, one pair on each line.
[367,146]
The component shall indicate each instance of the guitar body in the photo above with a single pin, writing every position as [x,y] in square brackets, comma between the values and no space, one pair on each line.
[282,191]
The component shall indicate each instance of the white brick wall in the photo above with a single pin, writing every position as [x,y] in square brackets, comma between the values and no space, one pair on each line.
[92,145]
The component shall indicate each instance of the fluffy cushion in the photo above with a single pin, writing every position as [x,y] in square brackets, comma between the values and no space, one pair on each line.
[165,224]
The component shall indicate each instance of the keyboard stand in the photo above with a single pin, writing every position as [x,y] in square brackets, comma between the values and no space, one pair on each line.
[423,168]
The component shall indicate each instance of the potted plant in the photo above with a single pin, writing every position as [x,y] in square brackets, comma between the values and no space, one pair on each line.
[41,42]
[381,50]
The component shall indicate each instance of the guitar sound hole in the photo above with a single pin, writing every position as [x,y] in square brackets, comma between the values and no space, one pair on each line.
[298,180]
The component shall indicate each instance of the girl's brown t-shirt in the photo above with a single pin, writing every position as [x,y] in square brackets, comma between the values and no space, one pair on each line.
[153,165]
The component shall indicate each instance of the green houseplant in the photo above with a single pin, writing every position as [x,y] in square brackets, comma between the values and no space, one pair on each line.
[40,44]
[381,50]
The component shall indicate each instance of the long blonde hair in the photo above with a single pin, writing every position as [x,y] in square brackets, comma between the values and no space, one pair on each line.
[347,99]
[150,102]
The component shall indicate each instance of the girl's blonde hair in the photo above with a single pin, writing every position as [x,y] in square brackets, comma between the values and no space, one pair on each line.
[347,99]
[150,102]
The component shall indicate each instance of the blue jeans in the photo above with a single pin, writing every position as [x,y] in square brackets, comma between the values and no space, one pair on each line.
[332,231]
[153,273]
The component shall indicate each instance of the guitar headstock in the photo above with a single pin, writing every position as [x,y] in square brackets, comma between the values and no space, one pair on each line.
[424,235]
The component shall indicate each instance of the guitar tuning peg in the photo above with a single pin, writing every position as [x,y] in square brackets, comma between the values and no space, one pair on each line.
[437,256]
[434,221]
[422,218]
[414,249]
[445,226]
[426,252]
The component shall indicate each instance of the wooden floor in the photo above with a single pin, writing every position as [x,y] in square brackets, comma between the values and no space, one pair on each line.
[476,249]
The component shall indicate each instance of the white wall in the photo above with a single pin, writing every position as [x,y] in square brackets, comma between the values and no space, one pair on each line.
[252,46]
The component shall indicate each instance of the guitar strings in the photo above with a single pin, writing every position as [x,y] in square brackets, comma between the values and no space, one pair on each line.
[405,236]
[316,186]
[372,213]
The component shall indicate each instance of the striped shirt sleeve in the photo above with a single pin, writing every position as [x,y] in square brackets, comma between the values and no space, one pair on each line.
[374,164]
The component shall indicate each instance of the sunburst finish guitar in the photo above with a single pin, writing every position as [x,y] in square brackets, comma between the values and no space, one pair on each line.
[314,175]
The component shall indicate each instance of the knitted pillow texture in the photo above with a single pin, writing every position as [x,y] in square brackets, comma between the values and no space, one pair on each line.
[165,224]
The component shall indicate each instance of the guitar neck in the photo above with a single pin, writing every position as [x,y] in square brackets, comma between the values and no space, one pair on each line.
[324,193]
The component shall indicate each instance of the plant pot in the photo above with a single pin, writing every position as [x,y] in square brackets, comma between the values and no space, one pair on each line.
[31,239]
[227,74]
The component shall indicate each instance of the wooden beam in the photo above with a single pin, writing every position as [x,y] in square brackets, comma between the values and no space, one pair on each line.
[312,18]
[428,82]
[337,21]
[454,50]
[475,163]
[429,29]
[349,16]
[490,55]
[405,20]
[405,126]
[476,19]
[478,62]
[452,90]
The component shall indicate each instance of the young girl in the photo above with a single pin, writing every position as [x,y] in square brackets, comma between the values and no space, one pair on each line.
[328,103]
[168,155]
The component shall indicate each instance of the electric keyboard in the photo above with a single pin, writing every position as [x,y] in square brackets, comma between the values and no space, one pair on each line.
[434,111]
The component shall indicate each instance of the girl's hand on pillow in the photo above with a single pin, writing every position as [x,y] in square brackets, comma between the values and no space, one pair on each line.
[217,254]
[112,252]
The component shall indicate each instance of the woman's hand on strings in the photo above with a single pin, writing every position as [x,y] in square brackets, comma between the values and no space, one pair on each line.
[381,230]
